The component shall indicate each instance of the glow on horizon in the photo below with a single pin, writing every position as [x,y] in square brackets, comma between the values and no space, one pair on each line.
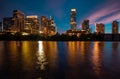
[107,13]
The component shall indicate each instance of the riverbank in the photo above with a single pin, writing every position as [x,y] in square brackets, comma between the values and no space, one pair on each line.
[57,37]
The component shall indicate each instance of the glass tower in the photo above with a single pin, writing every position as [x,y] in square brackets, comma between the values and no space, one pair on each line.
[73,19]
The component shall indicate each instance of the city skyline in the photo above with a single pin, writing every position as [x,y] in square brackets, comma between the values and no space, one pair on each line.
[104,11]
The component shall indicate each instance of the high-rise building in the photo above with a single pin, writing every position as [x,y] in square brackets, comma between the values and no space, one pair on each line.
[32,23]
[7,24]
[19,21]
[44,24]
[100,28]
[85,25]
[115,27]
[48,26]
[51,26]
[73,19]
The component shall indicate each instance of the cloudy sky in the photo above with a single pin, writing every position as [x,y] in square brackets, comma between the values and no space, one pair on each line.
[96,11]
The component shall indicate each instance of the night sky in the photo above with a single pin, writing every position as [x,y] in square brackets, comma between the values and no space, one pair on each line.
[104,11]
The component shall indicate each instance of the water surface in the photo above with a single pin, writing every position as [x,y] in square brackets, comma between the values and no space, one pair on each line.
[59,60]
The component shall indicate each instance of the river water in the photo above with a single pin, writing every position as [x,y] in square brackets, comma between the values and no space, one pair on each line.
[59,60]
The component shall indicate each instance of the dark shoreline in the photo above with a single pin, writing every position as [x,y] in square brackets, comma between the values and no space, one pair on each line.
[83,37]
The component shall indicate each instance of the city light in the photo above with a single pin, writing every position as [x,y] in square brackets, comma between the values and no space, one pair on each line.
[44,28]
[25,34]
[73,9]
[32,16]
[40,32]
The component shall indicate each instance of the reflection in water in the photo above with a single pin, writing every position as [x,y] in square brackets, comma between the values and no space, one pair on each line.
[59,60]
[77,55]
[47,58]
[97,51]
[72,53]
[115,47]
[41,56]
[52,54]
[1,54]
[12,51]
[27,52]
[12,47]
[115,51]
[96,58]
[115,57]
[72,72]
[84,48]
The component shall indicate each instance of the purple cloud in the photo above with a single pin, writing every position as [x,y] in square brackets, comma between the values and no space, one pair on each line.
[106,13]
[116,16]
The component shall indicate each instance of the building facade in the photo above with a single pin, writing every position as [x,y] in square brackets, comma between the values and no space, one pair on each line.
[100,28]
[48,26]
[85,25]
[32,24]
[73,19]
[44,24]
[51,27]
[115,27]
[19,21]
[7,24]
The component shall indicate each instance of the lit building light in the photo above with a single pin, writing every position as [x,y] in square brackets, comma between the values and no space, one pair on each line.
[23,33]
[32,16]
[73,10]
[40,32]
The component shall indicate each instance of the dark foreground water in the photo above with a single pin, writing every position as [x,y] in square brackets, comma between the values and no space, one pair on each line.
[59,60]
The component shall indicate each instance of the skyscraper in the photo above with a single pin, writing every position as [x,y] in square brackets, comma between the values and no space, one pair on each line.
[7,24]
[51,26]
[100,28]
[18,18]
[73,19]
[85,25]
[44,24]
[48,26]
[32,23]
[115,27]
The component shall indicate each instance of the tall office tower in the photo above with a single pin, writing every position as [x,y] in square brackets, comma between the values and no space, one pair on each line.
[100,28]
[19,21]
[7,24]
[115,27]
[48,26]
[44,24]
[73,19]
[51,27]
[32,23]
[85,25]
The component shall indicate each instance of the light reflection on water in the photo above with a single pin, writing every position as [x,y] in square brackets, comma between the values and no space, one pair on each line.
[59,60]
[41,56]
[96,59]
